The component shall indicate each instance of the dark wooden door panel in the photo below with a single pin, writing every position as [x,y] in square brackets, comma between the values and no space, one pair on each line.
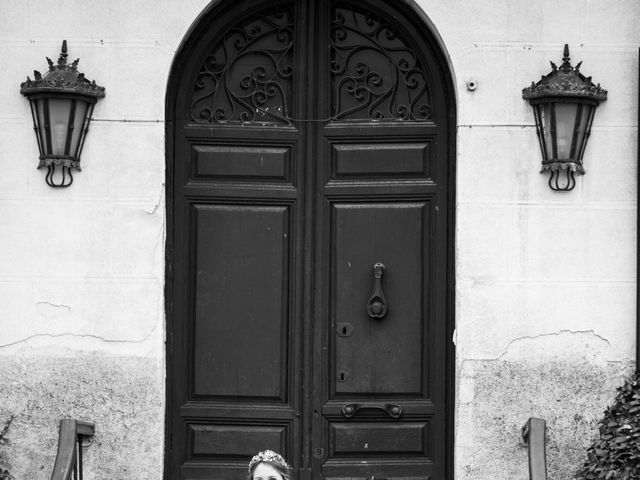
[376,160]
[211,441]
[241,162]
[378,437]
[242,301]
[380,356]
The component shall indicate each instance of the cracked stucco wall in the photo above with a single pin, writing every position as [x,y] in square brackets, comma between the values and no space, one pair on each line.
[82,269]
[545,282]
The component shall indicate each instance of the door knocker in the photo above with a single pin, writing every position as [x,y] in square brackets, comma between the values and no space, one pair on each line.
[377,304]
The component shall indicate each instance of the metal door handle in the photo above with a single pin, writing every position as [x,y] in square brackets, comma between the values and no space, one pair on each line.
[377,304]
[393,410]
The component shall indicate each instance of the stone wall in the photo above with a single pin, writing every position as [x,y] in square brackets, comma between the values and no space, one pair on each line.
[122,395]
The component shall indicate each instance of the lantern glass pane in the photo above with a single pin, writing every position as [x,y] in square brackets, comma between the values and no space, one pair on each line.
[87,119]
[59,115]
[78,126]
[565,123]
[581,130]
[545,128]
[34,112]
[43,126]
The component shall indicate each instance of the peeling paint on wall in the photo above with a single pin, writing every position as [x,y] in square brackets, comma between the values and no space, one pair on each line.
[48,309]
[67,335]
[160,201]
[529,342]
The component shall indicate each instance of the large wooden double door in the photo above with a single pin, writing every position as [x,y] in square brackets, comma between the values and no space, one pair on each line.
[308,266]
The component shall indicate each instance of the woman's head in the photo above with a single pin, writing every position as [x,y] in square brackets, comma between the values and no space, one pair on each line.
[268,465]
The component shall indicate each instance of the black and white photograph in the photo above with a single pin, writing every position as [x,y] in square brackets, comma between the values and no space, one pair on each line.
[319,240]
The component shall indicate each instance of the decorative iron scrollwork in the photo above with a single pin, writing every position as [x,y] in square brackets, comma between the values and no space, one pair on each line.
[247,76]
[375,74]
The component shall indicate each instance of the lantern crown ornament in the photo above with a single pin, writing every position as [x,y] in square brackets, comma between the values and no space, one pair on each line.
[61,77]
[566,81]
[62,102]
[564,103]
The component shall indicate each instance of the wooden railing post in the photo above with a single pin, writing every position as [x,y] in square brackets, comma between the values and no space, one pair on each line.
[70,442]
[534,435]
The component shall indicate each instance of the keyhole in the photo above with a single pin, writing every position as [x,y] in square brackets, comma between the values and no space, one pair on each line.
[342,376]
[344,330]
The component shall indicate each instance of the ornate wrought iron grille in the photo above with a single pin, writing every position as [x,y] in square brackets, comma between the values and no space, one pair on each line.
[248,75]
[375,74]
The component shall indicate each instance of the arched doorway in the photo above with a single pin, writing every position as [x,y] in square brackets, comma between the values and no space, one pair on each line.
[309,143]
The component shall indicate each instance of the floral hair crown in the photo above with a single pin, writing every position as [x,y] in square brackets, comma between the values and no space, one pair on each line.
[269,456]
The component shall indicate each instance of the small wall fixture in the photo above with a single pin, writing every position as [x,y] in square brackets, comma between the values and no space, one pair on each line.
[62,102]
[564,102]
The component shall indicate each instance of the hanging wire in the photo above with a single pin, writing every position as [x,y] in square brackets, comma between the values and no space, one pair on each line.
[292,120]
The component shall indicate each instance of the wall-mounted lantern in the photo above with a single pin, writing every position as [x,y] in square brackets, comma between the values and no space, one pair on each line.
[62,102]
[564,103]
